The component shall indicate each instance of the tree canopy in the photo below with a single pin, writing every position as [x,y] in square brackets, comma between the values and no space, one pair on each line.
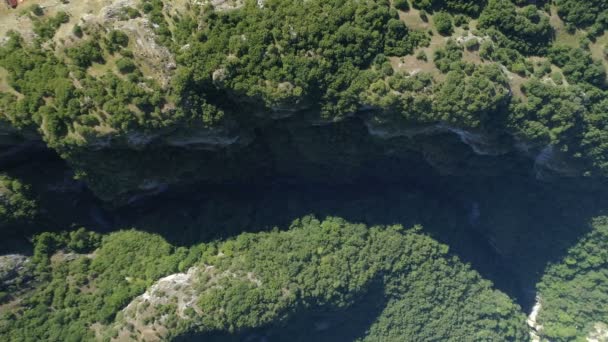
[574,291]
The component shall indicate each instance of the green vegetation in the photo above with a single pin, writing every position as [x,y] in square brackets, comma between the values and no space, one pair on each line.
[309,261]
[126,65]
[309,58]
[574,292]
[471,7]
[591,15]
[45,28]
[314,265]
[470,98]
[443,23]
[526,29]
[287,57]
[75,292]
[578,65]
[116,40]
[85,54]
[472,44]
[129,13]
[17,207]
[402,5]
[315,90]
[69,115]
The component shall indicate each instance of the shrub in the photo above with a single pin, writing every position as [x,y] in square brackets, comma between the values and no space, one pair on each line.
[424,16]
[542,69]
[125,65]
[129,13]
[127,53]
[45,28]
[443,23]
[518,68]
[36,10]
[557,77]
[471,44]
[402,5]
[421,56]
[77,31]
[486,50]
[116,40]
[17,207]
[85,54]
[61,18]
[460,20]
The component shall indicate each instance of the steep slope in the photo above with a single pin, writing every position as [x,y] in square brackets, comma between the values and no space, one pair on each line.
[138,96]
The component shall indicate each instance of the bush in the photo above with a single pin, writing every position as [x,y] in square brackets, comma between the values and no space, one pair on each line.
[125,65]
[460,20]
[449,57]
[127,53]
[116,40]
[582,14]
[578,65]
[421,56]
[17,207]
[542,69]
[471,44]
[424,16]
[129,13]
[443,23]
[402,5]
[62,17]
[77,31]
[519,68]
[36,10]
[46,28]
[85,54]
[558,78]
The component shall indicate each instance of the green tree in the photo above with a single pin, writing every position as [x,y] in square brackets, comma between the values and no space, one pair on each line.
[443,23]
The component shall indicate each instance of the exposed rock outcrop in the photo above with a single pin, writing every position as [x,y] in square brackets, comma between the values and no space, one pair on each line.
[481,144]
[599,333]
[13,269]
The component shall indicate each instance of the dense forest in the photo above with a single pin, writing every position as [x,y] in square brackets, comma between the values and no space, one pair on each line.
[337,170]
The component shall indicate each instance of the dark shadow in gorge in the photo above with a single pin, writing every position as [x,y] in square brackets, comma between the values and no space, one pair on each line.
[520,225]
[508,226]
